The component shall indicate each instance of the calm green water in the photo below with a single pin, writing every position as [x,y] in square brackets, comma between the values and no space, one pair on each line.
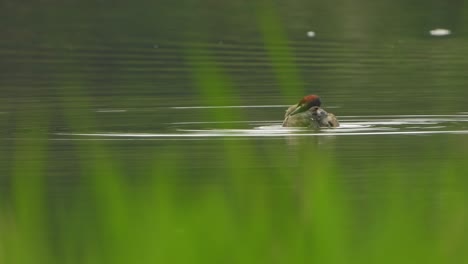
[198,90]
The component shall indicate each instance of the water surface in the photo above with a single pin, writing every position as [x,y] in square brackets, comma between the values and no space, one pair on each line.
[194,93]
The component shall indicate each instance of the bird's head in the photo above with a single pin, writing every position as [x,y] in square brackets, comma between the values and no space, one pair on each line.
[306,103]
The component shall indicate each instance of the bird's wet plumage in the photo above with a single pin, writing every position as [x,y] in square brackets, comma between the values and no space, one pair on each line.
[323,118]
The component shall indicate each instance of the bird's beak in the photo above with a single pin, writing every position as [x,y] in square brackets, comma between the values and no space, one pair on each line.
[299,109]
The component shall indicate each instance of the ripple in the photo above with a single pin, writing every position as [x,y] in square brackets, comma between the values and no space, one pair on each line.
[229,106]
[350,126]
[111,110]
[248,133]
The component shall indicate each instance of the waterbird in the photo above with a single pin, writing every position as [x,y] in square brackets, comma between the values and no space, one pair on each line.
[307,113]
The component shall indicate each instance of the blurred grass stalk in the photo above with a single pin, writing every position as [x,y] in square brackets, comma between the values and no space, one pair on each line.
[279,51]
[25,229]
